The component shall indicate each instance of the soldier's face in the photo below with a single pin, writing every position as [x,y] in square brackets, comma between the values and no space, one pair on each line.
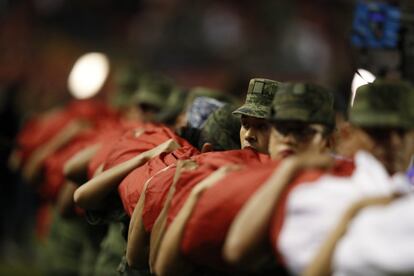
[254,133]
[288,138]
[391,146]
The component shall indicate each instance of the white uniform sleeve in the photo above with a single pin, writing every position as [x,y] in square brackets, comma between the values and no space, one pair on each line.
[314,209]
[379,241]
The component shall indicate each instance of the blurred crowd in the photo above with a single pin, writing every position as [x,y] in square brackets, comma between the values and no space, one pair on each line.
[258,159]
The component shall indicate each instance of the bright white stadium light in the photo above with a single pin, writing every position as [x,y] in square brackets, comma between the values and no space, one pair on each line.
[361,77]
[88,75]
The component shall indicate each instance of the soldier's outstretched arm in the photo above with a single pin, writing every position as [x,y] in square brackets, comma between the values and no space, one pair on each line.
[32,169]
[159,228]
[93,193]
[248,233]
[170,261]
[137,252]
[76,168]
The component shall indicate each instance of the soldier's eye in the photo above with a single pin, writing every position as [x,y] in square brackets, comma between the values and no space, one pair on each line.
[244,124]
[307,132]
[263,127]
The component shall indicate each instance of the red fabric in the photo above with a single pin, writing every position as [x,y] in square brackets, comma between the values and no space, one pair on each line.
[91,110]
[158,188]
[342,168]
[41,129]
[106,140]
[208,163]
[207,228]
[218,159]
[53,165]
[131,145]
[155,196]
[131,187]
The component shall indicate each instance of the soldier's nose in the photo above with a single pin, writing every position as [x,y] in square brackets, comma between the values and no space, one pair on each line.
[250,135]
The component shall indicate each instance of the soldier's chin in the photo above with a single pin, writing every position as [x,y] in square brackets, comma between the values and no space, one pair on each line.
[248,146]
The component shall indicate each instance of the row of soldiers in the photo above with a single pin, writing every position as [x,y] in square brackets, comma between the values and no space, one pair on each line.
[194,184]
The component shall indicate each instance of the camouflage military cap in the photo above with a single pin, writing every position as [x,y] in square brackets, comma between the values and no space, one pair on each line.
[173,106]
[303,102]
[259,98]
[153,90]
[120,99]
[127,78]
[383,104]
[126,81]
[221,129]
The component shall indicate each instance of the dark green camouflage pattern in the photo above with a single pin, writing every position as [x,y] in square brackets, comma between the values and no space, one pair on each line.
[153,90]
[383,104]
[112,248]
[173,106]
[222,129]
[126,81]
[303,102]
[259,98]
[71,247]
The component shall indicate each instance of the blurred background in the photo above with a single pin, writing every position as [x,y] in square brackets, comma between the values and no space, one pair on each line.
[214,43]
[218,44]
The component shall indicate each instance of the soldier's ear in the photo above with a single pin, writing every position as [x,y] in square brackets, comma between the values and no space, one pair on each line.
[207,147]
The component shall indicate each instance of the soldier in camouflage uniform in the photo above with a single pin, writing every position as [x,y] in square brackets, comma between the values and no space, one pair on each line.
[382,119]
[382,116]
[255,129]
[152,95]
[378,236]
[381,113]
[156,100]
[302,118]
[192,95]
[299,112]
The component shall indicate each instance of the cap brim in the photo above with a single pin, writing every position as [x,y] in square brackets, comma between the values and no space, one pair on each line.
[251,111]
[146,98]
[377,120]
[291,114]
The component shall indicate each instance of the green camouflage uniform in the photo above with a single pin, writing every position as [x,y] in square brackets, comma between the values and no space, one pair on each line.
[126,81]
[71,247]
[221,129]
[172,107]
[303,102]
[111,251]
[158,92]
[260,94]
[153,90]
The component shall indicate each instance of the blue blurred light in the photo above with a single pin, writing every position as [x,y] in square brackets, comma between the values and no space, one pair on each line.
[375,25]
